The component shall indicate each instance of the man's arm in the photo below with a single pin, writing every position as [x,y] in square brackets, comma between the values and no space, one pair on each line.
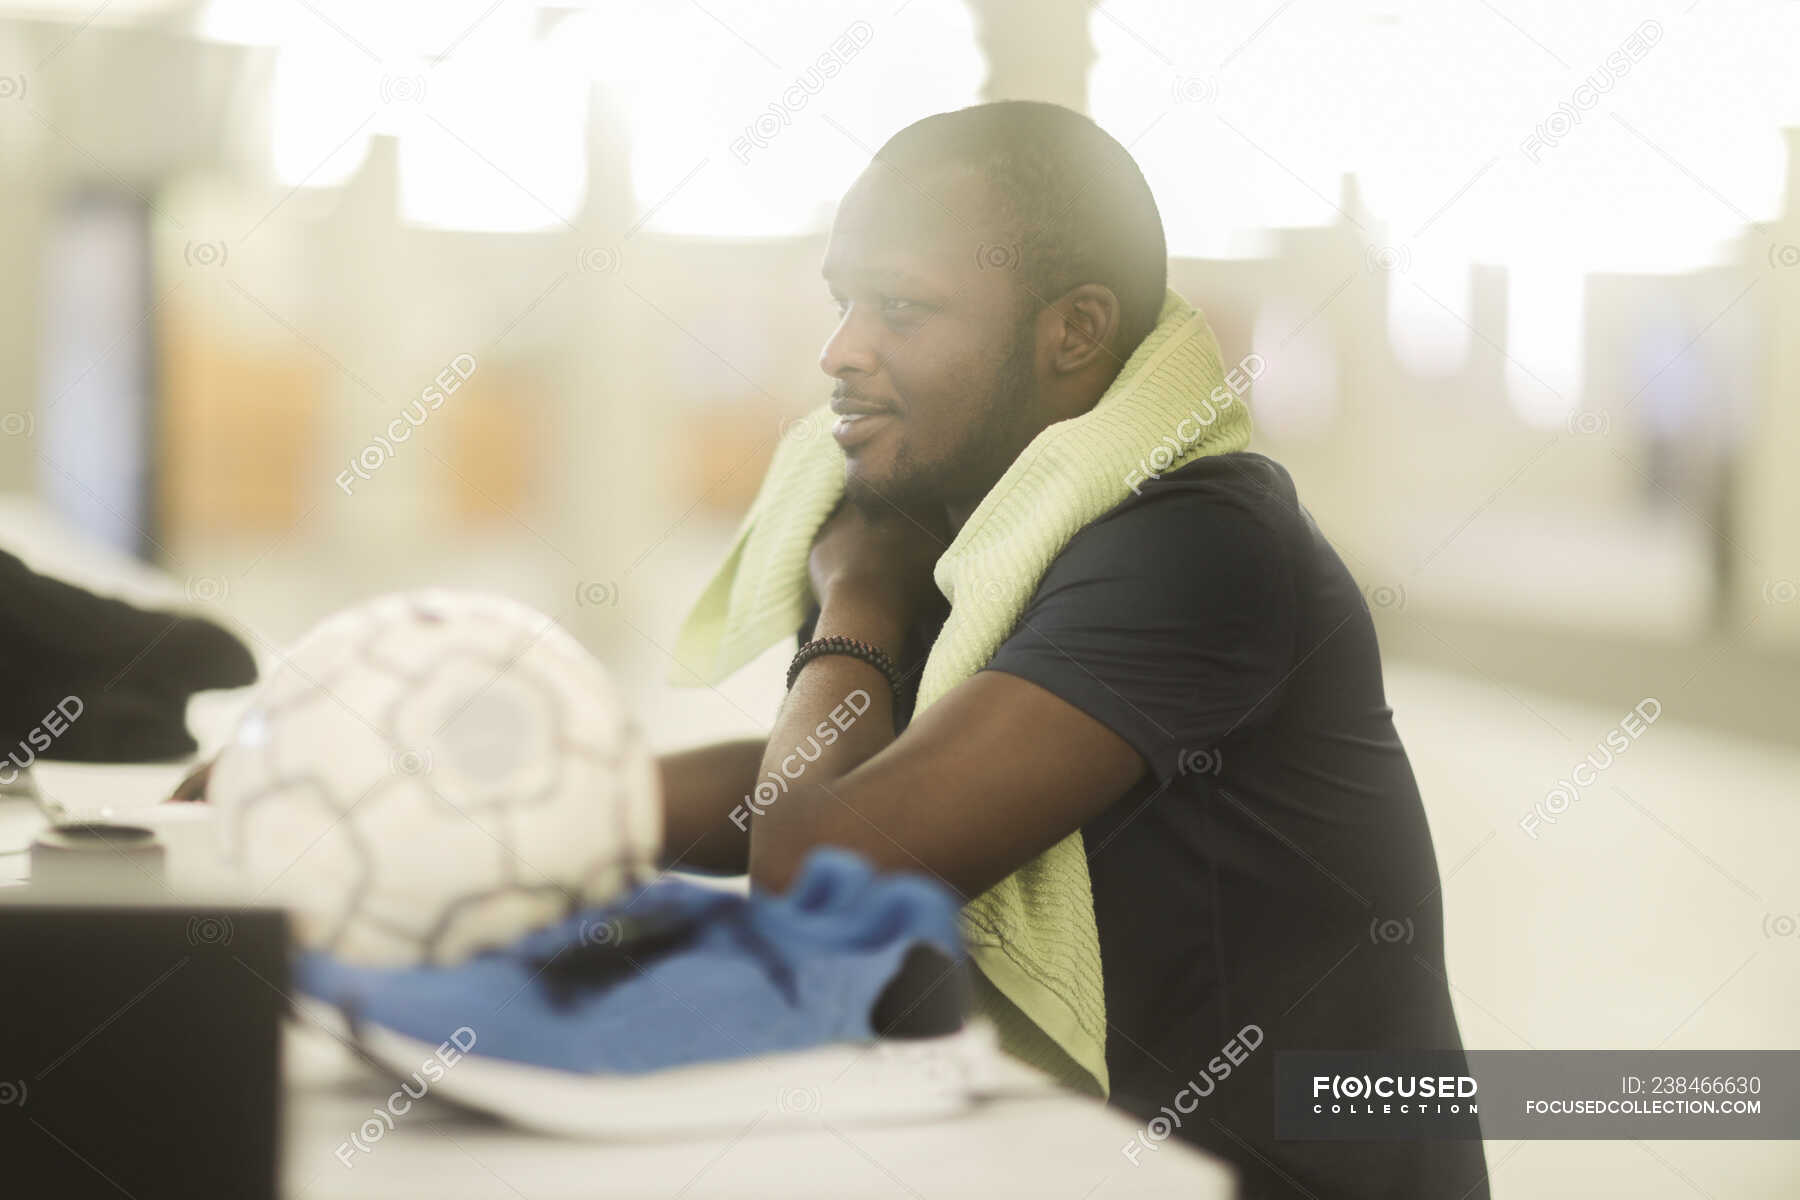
[701,788]
[993,774]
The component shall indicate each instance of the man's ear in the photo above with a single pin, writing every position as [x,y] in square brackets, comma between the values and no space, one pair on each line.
[1087,327]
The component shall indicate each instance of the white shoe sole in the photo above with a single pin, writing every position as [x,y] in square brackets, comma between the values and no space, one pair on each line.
[885,1081]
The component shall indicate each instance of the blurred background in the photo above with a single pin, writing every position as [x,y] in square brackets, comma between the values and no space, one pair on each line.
[1525,276]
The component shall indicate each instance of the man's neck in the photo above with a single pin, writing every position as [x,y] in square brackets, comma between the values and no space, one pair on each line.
[958,511]
[958,514]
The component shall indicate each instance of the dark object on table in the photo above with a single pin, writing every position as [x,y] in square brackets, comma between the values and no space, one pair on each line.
[94,679]
[192,788]
[141,1049]
[90,859]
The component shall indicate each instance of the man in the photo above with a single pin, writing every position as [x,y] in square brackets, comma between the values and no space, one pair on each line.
[1195,684]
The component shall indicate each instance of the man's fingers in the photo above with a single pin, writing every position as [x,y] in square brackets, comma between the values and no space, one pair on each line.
[192,788]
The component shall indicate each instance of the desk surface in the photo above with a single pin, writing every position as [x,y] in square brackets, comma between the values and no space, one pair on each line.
[1033,1140]
[1052,1144]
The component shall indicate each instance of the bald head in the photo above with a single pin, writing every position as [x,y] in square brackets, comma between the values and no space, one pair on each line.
[1072,207]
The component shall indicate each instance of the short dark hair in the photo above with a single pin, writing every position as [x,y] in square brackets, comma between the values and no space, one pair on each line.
[1075,198]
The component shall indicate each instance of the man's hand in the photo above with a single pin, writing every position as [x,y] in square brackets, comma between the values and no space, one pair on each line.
[876,567]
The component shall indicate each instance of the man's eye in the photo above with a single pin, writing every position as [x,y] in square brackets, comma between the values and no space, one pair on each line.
[893,306]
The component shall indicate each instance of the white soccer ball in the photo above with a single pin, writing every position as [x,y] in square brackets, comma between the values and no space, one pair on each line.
[433,773]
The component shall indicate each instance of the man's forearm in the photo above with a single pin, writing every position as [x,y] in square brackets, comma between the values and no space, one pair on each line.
[702,788]
[839,714]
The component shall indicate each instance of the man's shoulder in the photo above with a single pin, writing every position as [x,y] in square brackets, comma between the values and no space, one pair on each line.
[1225,524]
[1245,495]
[1242,479]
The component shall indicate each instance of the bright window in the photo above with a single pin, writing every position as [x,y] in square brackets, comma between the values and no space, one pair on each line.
[748,118]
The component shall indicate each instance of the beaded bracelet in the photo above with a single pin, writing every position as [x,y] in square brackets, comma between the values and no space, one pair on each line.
[872,655]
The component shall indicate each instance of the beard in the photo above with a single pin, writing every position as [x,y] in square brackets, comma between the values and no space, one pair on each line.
[982,454]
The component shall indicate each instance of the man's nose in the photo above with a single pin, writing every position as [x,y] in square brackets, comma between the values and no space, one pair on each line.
[850,349]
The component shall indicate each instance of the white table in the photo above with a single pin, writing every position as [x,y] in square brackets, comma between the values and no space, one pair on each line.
[1029,1139]
[1051,1145]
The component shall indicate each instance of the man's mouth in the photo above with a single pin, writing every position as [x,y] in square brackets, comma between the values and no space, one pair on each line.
[854,429]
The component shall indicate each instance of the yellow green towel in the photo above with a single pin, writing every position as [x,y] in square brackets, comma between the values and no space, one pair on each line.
[1032,935]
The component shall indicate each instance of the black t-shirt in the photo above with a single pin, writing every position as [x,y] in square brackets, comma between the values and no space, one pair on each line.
[1273,867]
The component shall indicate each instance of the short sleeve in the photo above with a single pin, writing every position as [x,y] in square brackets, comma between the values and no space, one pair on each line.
[1170,620]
